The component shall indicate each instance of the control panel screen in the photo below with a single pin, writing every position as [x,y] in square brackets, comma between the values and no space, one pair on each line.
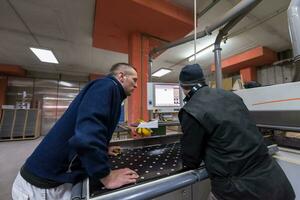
[167,95]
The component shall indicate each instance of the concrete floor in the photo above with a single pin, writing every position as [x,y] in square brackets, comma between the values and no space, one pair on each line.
[12,156]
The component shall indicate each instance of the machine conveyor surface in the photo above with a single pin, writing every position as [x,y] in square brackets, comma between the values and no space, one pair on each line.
[150,162]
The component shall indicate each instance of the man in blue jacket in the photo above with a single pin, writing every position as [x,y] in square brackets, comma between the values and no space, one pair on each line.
[77,145]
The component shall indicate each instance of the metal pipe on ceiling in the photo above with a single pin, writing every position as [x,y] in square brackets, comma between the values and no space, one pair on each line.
[217,50]
[197,16]
[294,27]
[202,12]
[195,30]
[218,65]
[239,32]
[236,11]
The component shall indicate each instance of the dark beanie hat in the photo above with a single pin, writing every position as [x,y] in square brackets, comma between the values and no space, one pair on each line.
[191,75]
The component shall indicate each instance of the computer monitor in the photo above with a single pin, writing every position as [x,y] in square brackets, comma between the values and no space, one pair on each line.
[164,96]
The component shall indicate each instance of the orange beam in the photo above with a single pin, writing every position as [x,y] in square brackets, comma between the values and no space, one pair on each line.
[248,74]
[169,9]
[254,57]
[12,70]
[115,20]
[138,57]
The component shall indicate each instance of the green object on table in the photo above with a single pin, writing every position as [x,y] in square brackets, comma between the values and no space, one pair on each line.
[161,130]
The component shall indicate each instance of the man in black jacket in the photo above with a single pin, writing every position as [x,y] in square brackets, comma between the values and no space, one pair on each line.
[217,129]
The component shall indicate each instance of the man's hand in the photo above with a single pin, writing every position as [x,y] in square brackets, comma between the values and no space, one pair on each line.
[114,150]
[119,177]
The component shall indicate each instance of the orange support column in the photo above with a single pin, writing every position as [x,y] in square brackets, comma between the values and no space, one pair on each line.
[248,74]
[145,76]
[138,57]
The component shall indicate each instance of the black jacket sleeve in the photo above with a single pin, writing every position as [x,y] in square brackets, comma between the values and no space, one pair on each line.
[192,141]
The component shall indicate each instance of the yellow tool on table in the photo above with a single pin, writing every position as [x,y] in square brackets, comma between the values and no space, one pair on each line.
[144,132]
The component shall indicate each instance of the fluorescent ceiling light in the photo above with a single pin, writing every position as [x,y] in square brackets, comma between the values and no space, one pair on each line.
[44,55]
[64,83]
[58,107]
[161,72]
[58,98]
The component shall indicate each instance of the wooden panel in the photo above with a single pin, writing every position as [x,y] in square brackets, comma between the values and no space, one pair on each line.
[19,125]
[31,123]
[6,124]
[227,84]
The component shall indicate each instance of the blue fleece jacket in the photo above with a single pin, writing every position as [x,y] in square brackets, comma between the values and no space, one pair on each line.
[76,146]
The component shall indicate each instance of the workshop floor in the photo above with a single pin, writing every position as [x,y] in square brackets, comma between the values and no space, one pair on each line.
[12,156]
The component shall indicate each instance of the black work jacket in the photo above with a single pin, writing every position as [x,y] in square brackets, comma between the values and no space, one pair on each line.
[217,129]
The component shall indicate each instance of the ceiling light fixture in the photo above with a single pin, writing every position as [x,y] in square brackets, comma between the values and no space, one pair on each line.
[161,72]
[44,55]
[64,83]
[55,107]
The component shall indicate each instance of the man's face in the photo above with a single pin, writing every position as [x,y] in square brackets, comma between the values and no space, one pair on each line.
[185,91]
[129,81]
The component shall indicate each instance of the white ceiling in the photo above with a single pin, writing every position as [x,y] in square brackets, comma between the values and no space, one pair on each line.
[65,26]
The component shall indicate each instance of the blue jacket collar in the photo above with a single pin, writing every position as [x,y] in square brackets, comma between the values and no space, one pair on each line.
[122,91]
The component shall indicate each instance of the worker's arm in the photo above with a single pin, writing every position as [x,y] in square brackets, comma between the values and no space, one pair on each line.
[92,132]
[192,141]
